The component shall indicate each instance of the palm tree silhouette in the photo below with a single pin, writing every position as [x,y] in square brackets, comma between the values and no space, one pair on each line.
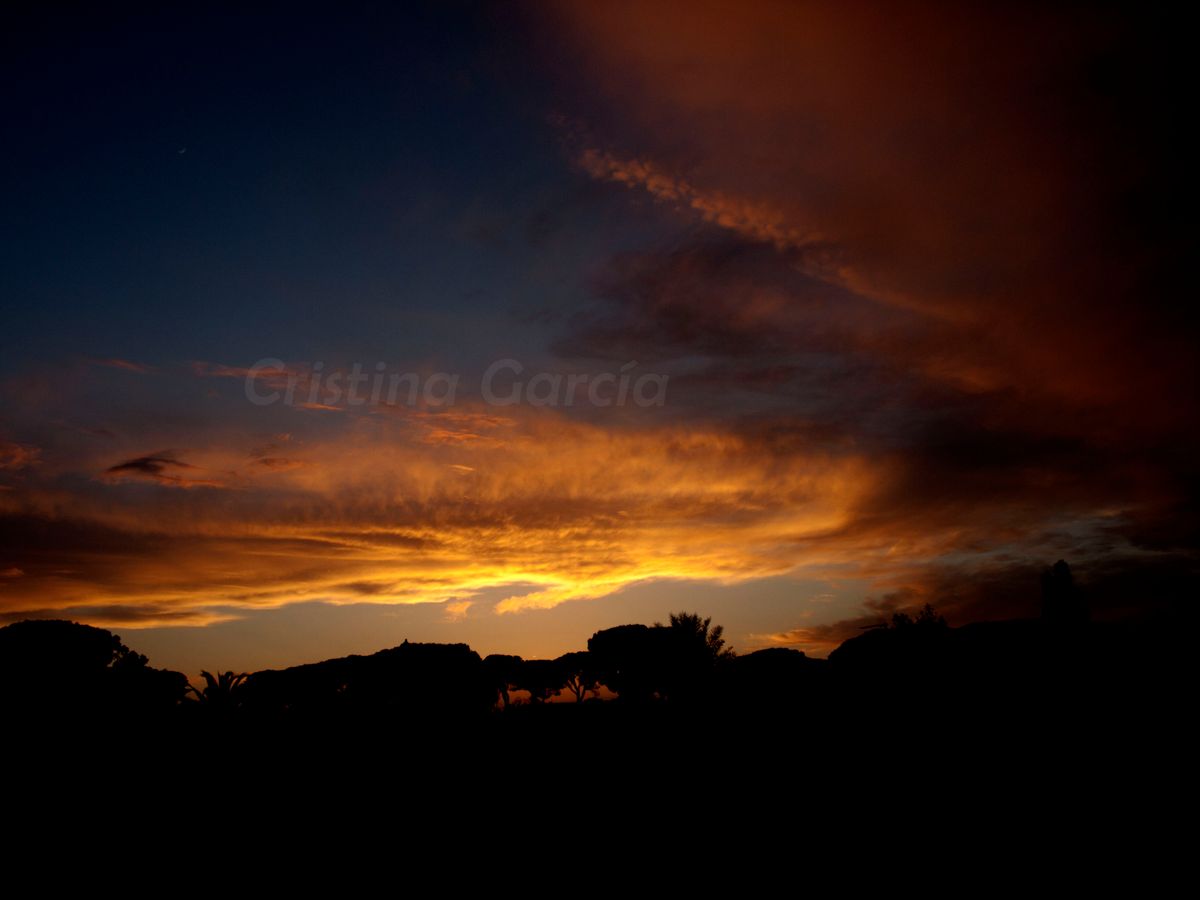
[221,691]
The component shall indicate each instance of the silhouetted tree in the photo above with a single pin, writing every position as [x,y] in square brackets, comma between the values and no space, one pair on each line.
[692,650]
[626,660]
[773,677]
[49,665]
[141,688]
[697,632]
[57,645]
[502,670]
[579,674]
[926,618]
[678,661]
[220,692]
[542,678]
[414,681]
[911,658]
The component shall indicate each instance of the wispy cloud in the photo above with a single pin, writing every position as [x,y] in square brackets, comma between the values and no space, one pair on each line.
[15,456]
[162,468]
[752,219]
[124,365]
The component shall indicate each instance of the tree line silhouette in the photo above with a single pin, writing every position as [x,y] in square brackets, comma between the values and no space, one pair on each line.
[914,667]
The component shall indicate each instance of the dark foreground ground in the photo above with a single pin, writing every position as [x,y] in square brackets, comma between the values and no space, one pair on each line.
[1022,731]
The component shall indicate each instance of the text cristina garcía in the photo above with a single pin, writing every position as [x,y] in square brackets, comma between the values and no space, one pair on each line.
[504,383]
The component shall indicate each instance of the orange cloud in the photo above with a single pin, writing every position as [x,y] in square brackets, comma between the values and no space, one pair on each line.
[560,509]
[16,456]
[557,510]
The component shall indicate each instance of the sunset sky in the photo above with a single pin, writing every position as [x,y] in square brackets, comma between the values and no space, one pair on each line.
[914,281]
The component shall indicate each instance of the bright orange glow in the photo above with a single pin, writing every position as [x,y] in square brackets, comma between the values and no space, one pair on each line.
[395,511]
